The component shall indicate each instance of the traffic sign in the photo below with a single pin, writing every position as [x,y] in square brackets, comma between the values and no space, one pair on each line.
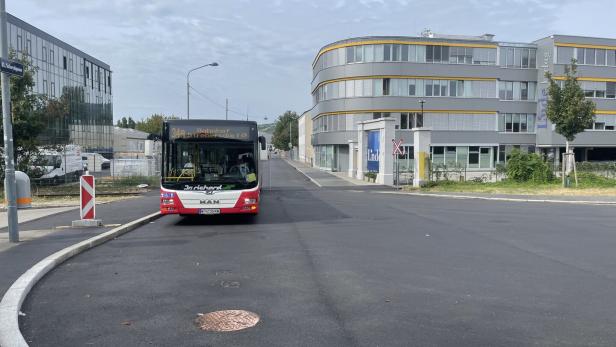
[87,197]
[398,149]
[12,67]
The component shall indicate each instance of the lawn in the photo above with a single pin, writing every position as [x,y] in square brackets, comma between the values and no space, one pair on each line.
[589,184]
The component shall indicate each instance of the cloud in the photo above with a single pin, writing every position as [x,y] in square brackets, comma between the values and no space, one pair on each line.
[265,48]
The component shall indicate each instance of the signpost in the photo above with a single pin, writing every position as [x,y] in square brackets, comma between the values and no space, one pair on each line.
[398,150]
[9,161]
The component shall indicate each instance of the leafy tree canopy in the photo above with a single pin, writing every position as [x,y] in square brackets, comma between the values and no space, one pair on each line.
[280,137]
[567,107]
[28,109]
[153,124]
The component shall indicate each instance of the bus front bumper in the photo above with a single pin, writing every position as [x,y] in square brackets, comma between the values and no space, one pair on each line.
[247,203]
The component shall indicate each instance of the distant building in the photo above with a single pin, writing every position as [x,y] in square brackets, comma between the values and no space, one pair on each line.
[305,152]
[68,74]
[129,143]
[483,98]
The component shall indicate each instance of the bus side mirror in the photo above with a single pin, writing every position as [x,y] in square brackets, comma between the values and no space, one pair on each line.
[262,142]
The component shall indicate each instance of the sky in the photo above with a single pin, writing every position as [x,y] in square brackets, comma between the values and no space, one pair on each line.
[265,48]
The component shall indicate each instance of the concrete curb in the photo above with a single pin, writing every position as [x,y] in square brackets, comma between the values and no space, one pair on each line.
[467,197]
[303,173]
[10,335]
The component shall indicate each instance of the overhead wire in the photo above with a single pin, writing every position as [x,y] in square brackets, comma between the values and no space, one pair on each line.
[216,103]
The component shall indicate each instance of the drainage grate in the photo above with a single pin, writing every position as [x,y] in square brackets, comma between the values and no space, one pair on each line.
[227,320]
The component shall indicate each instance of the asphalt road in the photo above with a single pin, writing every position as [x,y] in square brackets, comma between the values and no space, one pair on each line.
[342,267]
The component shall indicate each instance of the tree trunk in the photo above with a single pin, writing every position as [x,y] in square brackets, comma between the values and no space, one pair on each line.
[569,163]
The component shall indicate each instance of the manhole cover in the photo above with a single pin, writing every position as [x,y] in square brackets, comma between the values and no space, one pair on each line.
[227,320]
[230,284]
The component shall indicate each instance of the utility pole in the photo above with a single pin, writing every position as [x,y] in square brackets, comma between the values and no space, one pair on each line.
[227,108]
[9,173]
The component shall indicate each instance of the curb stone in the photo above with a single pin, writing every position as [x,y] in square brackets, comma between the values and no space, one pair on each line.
[467,197]
[10,335]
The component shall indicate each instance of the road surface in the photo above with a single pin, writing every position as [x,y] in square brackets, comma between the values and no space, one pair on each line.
[344,267]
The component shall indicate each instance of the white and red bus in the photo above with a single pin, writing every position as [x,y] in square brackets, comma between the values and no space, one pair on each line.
[210,167]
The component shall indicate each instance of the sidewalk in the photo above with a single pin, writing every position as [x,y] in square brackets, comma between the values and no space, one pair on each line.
[330,179]
[31,214]
[51,233]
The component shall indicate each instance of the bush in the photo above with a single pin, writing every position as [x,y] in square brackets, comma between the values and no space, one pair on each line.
[524,167]
[370,175]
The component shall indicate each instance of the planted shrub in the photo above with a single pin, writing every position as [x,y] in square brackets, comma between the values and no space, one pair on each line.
[524,167]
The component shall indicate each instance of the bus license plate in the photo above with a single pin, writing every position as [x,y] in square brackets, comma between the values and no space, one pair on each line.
[209,211]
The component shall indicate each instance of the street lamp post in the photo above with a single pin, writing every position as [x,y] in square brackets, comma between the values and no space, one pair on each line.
[421,102]
[188,86]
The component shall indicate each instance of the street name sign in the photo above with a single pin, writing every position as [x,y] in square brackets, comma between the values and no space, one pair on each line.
[12,67]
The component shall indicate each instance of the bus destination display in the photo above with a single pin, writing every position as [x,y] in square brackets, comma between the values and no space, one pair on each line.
[178,132]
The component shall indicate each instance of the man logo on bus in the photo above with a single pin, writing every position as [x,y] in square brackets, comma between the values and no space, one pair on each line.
[209,202]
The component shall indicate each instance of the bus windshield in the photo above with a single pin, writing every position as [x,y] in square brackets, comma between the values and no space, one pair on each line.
[196,165]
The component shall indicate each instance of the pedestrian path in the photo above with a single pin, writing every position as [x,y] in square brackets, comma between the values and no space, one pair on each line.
[31,214]
[327,179]
[43,235]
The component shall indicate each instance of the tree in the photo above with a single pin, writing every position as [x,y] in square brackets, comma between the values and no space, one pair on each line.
[153,124]
[280,138]
[131,123]
[569,111]
[27,109]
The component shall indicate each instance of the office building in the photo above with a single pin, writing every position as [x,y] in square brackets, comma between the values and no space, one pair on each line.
[481,98]
[64,73]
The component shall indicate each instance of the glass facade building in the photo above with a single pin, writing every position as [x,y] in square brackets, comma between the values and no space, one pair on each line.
[80,81]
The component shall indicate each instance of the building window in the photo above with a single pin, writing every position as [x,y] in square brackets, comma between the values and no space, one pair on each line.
[64,62]
[517,90]
[518,57]
[395,52]
[70,64]
[350,55]
[44,53]
[53,89]
[516,123]
[386,84]
[601,57]
[51,57]
[19,43]
[428,88]
[411,120]
[386,52]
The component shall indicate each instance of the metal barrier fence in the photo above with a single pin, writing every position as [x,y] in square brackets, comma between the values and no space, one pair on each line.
[134,167]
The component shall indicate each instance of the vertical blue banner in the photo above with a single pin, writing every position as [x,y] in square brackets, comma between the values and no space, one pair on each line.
[374,146]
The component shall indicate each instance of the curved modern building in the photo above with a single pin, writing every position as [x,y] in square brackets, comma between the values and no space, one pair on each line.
[479,98]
